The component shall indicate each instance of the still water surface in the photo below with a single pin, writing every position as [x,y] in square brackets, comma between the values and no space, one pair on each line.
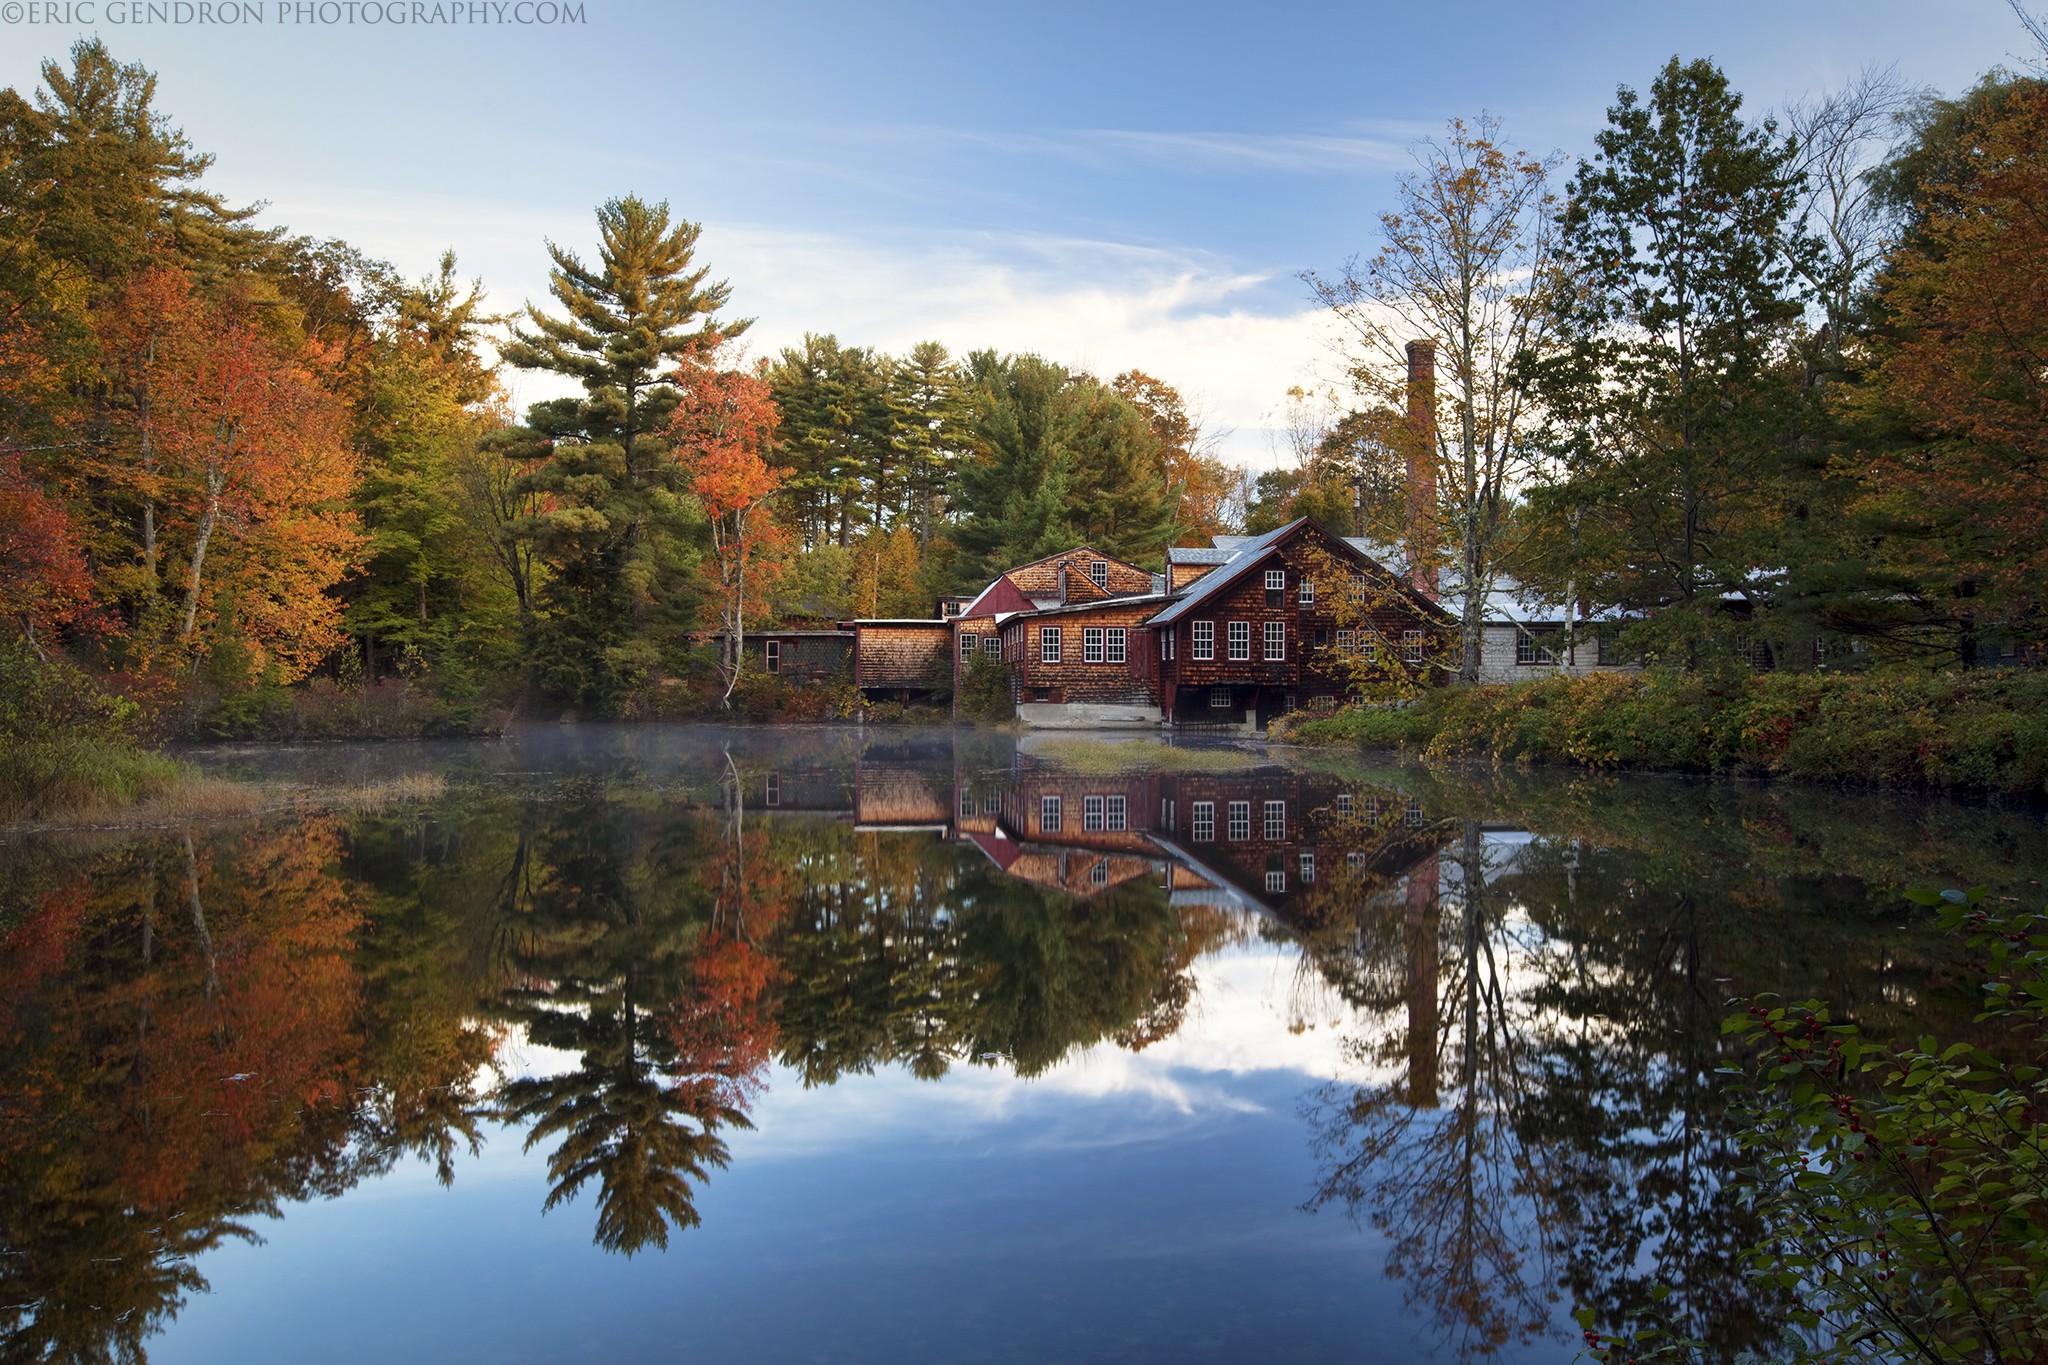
[687,1045]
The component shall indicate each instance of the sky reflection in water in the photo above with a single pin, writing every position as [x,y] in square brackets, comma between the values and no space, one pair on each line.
[919,1047]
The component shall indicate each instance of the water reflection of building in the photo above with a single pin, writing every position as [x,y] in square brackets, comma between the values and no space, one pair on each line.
[1265,840]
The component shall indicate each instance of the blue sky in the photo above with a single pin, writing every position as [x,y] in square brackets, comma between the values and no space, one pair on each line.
[1112,185]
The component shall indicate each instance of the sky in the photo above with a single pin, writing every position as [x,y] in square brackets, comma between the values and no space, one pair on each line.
[1110,185]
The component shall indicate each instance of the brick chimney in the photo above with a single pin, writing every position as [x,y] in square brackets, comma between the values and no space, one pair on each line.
[1421,464]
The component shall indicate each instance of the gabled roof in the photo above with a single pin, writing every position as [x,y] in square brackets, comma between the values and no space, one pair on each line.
[1251,551]
[1248,549]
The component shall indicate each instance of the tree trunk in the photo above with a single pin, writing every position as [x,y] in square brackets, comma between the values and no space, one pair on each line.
[199,543]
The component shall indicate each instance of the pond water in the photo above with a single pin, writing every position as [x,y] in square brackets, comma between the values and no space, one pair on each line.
[680,1044]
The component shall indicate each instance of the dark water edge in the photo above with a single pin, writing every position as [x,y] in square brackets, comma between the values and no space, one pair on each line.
[825,1044]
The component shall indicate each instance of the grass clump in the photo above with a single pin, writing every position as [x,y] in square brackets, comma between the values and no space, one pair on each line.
[1101,757]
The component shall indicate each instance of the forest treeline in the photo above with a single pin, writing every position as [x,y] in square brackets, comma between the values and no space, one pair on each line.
[1775,378]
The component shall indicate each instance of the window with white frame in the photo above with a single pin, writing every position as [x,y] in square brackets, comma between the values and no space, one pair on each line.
[1343,803]
[1413,815]
[1091,814]
[1115,643]
[1356,861]
[1372,810]
[1091,644]
[1276,820]
[1308,592]
[1168,638]
[1202,642]
[966,648]
[1115,814]
[1276,641]
[1308,868]
[1098,573]
[1098,875]
[1411,646]
[1358,587]
[771,654]
[992,646]
[1276,586]
[1049,644]
[1166,814]
[1240,640]
[771,790]
[1347,642]
[1240,820]
[1202,818]
[967,802]
[1049,815]
[1219,698]
[1276,880]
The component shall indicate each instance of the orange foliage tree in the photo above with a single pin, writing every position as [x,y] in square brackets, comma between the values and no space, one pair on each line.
[724,427]
[1964,367]
[1206,495]
[44,582]
[233,454]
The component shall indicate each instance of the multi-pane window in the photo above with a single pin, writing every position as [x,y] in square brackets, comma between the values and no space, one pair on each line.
[1202,814]
[1356,861]
[771,654]
[1276,880]
[1167,639]
[992,646]
[1276,586]
[1372,810]
[1166,814]
[1049,815]
[1535,648]
[1343,803]
[1203,639]
[1276,820]
[1411,646]
[966,648]
[1308,868]
[1098,875]
[966,802]
[1240,820]
[1115,814]
[1276,641]
[1098,573]
[1115,641]
[991,802]
[1347,642]
[1049,644]
[1240,639]
[1308,592]
[771,790]
[1413,815]
[1091,644]
[1091,814]
[1358,587]
[1219,698]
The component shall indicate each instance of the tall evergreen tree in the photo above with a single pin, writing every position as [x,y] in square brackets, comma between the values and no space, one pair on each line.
[1063,459]
[1676,298]
[617,506]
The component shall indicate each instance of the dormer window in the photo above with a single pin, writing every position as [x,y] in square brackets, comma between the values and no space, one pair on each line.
[1098,572]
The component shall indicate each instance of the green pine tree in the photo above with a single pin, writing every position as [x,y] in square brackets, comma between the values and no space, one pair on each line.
[616,535]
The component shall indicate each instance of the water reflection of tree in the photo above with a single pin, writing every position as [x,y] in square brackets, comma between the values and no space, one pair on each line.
[1436,1157]
[609,905]
[181,1032]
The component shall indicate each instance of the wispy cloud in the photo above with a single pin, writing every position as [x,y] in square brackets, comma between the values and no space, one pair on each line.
[1208,152]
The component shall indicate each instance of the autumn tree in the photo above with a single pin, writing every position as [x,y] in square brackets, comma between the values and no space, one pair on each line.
[1958,392]
[1454,282]
[1676,296]
[724,430]
[610,531]
[234,455]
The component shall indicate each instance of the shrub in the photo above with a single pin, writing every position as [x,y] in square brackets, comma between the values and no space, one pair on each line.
[1979,732]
